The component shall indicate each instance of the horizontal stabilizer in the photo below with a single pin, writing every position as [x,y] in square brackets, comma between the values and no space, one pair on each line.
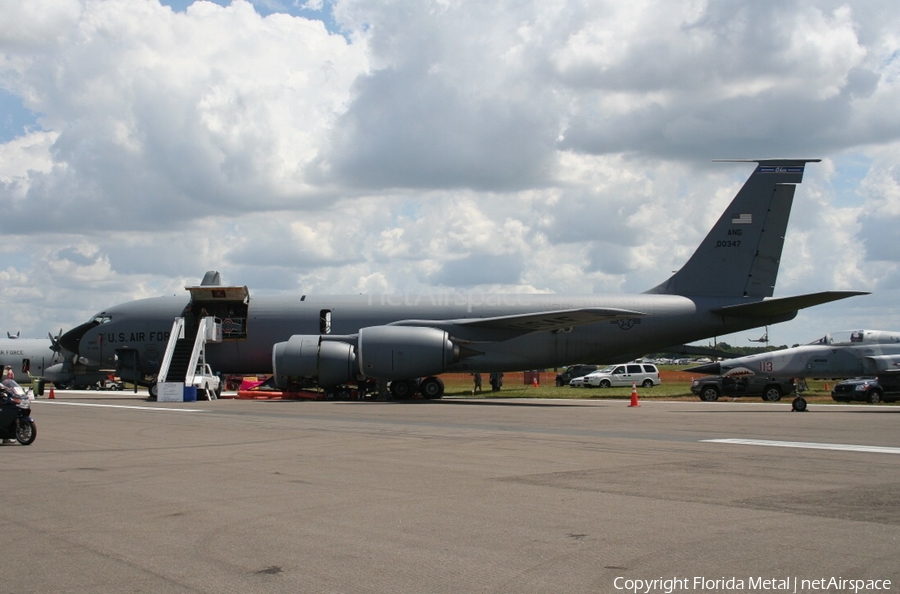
[784,305]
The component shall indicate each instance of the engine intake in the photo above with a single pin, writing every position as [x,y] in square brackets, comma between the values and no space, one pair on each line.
[879,363]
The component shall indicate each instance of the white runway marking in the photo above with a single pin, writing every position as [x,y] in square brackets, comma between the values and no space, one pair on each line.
[150,408]
[809,446]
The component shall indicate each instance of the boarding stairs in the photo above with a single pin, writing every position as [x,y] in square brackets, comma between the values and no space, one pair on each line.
[186,349]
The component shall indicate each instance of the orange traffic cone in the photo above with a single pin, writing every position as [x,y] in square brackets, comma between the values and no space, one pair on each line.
[826,387]
[535,381]
[52,395]
[634,398]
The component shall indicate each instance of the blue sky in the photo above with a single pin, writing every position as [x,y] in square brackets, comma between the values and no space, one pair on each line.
[353,146]
[16,118]
[296,8]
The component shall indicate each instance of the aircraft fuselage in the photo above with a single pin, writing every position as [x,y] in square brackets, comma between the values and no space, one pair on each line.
[27,357]
[145,325]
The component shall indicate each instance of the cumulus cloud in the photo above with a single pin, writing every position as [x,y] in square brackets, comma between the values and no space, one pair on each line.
[355,146]
[165,117]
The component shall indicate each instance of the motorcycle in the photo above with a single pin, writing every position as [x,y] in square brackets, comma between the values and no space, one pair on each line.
[15,414]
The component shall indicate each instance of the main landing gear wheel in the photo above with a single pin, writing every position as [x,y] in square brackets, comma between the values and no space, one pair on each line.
[799,404]
[432,388]
[402,389]
[153,391]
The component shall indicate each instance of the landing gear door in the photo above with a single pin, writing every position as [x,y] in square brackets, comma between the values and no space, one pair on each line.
[229,305]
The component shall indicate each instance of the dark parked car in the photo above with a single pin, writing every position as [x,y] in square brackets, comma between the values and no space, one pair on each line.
[884,388]
[573,371]
[770,389]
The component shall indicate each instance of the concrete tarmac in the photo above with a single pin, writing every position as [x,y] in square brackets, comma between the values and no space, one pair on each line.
[122,495]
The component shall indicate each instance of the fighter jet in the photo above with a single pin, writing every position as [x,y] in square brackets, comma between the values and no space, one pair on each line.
[840,354]
[319,341]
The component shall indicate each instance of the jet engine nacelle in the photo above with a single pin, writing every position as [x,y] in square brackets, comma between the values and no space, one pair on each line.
[404,352]
[380,352]
[327,363]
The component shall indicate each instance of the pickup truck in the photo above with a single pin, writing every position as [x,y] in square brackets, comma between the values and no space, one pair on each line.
[770,389]
[573,371]
[208,384]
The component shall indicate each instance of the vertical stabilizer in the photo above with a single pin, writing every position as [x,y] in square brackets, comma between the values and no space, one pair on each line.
[740,255]
[211,279]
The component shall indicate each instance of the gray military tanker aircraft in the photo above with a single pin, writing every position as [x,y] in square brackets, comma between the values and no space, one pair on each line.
[849,353]
[329,341]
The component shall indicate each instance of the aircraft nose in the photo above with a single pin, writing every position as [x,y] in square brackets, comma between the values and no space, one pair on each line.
[709,369]
[71,339]
[54,373]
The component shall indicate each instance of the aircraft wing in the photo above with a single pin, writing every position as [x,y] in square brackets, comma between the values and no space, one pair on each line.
[550,320]
[784,305]
[505,327]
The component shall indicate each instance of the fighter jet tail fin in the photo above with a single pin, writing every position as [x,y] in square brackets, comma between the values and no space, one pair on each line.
[740,255]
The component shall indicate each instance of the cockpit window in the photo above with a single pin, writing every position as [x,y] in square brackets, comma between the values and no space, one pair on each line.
[845,337]
[101,319]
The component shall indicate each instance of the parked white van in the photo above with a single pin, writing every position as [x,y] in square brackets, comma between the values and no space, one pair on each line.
[641,374]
